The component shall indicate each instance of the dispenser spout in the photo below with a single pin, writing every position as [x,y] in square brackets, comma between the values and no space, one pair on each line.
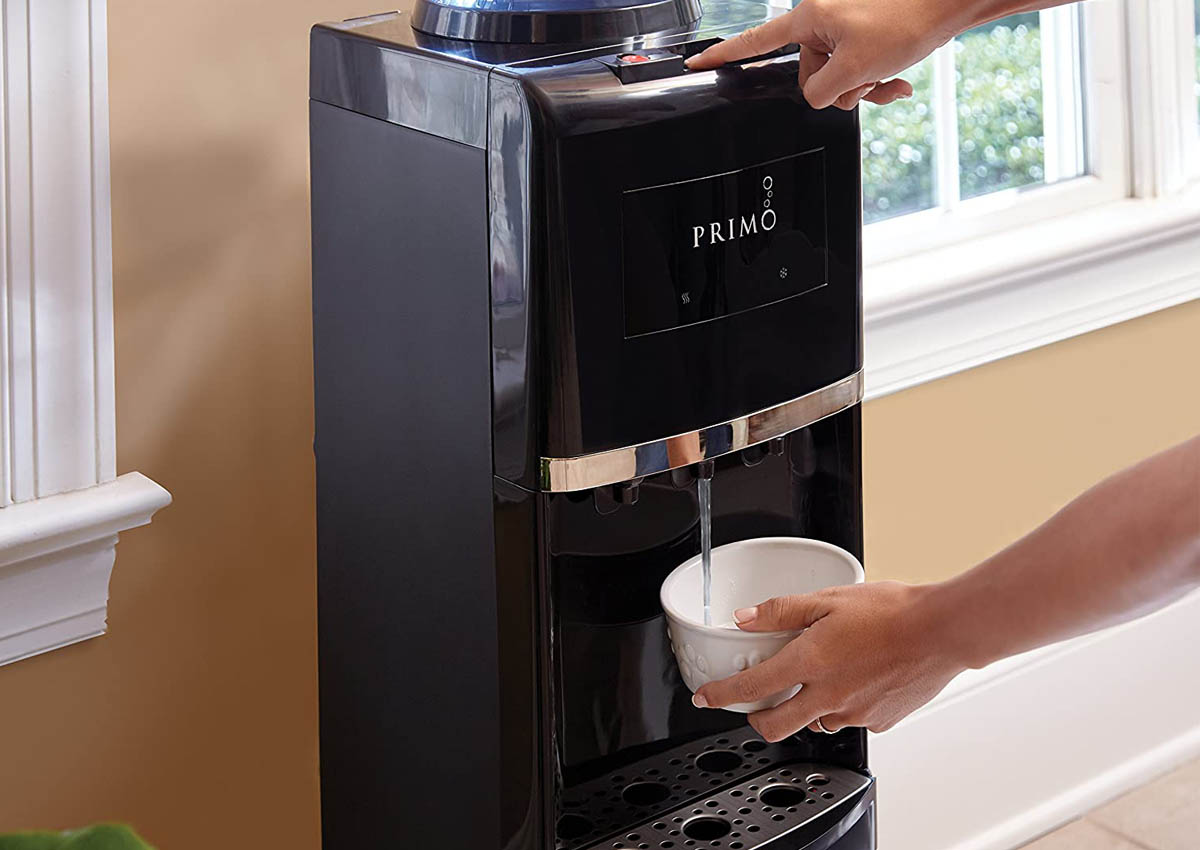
[705,470]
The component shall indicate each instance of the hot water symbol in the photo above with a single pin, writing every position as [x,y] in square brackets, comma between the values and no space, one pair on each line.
[704,491]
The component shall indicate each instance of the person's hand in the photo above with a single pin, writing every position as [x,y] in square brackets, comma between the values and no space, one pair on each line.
[870,655]
[849,49]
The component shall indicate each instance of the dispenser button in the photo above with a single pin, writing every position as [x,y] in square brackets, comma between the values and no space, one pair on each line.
[654,64]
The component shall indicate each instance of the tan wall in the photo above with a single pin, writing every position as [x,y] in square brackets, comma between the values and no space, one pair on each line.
[958,468]
[194,719]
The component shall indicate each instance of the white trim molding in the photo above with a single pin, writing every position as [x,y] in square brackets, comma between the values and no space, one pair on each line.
[1162,69]
[933,314]
[56,556]
[947,290]
[61,504]
[1013,751]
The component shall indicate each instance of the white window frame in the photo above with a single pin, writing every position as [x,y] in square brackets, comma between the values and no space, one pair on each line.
[945,290]
[62,503]
[1097,26]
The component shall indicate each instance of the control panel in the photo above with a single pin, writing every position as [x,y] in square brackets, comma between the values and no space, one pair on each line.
[714,246]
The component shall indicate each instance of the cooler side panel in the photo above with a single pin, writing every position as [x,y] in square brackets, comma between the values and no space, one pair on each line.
[407,602]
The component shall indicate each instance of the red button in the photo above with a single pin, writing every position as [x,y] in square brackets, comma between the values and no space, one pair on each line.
[630,58]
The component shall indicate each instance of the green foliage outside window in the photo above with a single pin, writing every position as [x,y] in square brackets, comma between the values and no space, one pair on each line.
[1000,136]
[897,151]
[998,85]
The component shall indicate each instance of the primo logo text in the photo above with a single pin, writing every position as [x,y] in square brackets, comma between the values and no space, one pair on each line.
[736,228]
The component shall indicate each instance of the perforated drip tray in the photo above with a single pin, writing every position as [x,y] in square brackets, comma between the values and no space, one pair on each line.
[723,793]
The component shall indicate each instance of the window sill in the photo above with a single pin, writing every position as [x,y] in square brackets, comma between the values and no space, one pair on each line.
[56,556]
[934,313]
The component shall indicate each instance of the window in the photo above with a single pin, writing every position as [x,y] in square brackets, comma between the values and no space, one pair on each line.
[1041,182]
[1000,95]
[62,503]
[1031,117]
[977,121]
[899,146]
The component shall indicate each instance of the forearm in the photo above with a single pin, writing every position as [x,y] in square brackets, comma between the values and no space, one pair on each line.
[973,13]
[1127,546]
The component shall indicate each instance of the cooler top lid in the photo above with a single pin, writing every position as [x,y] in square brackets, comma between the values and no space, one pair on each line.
[551,21]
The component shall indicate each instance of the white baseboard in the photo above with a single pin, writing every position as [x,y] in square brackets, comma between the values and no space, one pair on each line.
[56,557]
[1009,753]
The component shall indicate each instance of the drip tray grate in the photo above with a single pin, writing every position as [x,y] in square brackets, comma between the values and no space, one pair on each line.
[749,814]
[719,792]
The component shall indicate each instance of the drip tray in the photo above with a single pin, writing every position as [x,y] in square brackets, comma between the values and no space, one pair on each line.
[749,814]
[717,792]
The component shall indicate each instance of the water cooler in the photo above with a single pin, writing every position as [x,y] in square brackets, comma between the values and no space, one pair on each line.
[555,274]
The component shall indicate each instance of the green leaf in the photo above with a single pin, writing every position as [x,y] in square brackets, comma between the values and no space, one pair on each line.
[101,837]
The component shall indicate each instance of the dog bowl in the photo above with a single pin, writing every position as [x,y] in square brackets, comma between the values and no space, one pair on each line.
[744,573]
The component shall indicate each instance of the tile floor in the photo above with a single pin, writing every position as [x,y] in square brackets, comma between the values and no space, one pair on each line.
[1163,815]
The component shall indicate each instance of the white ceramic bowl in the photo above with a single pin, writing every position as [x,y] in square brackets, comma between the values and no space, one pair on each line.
[744,573]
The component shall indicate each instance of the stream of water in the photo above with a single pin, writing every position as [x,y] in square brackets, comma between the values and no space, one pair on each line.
[704,489]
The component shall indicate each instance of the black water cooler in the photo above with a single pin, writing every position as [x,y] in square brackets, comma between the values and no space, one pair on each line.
[555,277]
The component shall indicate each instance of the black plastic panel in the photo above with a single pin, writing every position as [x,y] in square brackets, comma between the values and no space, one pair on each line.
[363,75]
[403,468]
[602,383]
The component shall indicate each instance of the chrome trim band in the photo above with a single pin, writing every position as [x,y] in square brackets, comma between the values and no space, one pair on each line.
[563,475]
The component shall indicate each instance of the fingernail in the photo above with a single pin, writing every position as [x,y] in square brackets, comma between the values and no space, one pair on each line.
[691,60]
[905,96]
[699,701]
[745,615]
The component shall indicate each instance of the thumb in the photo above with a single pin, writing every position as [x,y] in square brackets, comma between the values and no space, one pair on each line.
[833,79]
[783,613]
